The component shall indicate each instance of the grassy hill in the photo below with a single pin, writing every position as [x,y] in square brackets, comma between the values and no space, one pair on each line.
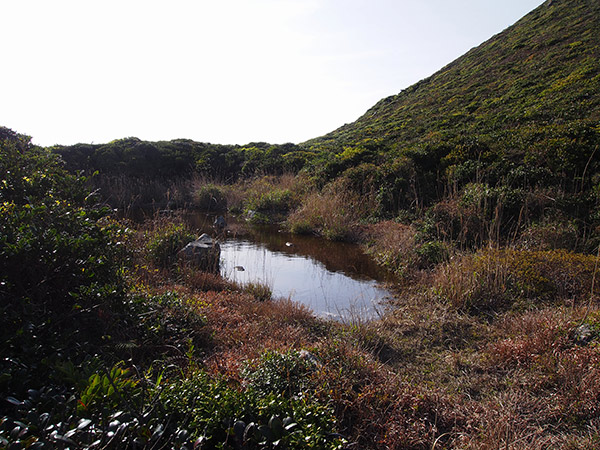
[521,109]
[511,127]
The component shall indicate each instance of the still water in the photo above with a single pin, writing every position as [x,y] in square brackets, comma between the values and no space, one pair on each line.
[333,279]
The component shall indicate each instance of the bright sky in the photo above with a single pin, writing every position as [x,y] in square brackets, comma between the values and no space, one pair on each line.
[223,71]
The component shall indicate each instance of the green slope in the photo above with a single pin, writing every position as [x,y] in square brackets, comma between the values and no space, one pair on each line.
[522,108]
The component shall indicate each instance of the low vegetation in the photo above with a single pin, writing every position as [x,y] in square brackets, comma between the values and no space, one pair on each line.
[478,188]
[113,342]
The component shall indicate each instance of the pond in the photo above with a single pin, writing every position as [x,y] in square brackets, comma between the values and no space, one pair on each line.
[334,279]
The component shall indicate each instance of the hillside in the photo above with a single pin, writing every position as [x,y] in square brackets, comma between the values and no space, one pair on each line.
[521,108]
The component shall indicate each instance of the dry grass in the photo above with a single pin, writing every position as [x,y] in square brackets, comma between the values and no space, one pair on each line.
[491,280]
[544,386]
[202,281]
[393,245]
[242,328]
[480,353]
[334,213]
[127,193]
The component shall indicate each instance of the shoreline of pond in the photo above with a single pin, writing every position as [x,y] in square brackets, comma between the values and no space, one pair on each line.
[343,280]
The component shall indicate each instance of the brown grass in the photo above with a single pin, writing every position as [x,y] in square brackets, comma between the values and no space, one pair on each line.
[496,279]
[546,385]
[480,353]
[128,193]
[334,213]
[243,328]
[393,245]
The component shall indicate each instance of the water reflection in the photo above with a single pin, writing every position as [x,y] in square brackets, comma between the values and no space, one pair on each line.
[333,279]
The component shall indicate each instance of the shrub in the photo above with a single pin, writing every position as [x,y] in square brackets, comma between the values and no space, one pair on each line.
[268,199]
[211,197]
[481,214]
[164,239]
[334,213]
[280,373]
[277,200]
[59,252]
[548,235]
[61,264]
[119,410]
[260,291]
[494,279]
[398,248]
[431,253]
[218,415]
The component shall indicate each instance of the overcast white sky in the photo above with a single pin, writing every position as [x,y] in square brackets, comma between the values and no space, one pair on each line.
[223,71]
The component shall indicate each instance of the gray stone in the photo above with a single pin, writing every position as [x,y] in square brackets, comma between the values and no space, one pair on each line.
[204,253]
[584,334]
[219,224]
[311,358]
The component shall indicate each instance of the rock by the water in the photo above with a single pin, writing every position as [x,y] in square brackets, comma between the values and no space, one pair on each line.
[220,223]
[584,334]
[204,253]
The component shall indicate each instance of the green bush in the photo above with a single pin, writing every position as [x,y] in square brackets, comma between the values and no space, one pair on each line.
[431,253]
[217,414]
[280,373]
[211,197]
[166,240]
[59,251]
[277,200]
[61,278]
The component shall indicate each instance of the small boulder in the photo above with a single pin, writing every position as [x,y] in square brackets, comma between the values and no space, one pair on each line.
[204,253]
[219,224]
[584,334]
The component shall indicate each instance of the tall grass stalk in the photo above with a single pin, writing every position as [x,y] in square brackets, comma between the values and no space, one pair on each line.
[334,213]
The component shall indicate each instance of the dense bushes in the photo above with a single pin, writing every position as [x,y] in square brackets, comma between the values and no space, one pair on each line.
[164,239]
[58,250]
[60,275]
[182,158]
[210,197]
[67,320]
[118,409]
[492,280]
[487,177]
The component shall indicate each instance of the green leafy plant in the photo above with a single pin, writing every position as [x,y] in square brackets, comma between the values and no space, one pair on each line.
[210,197]
[280,373]
[110,389]
[165,239]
